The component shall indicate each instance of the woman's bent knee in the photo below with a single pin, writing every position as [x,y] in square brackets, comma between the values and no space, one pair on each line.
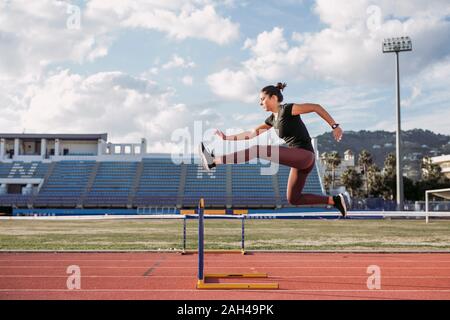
[294,200]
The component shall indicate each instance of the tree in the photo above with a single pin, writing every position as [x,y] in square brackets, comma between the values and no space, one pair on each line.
[327,182]
[334,160]
[430,171]
[410,189]
[324,157]
[390,163]
[374,180]
[389,177]
[364,161]
[432,178]
[351,180]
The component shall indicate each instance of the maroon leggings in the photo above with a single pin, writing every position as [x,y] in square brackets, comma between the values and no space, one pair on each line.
[301,162]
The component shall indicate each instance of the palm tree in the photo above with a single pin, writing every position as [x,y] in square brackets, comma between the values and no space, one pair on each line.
[390,164]
[327,182]
[334,160]
[374,180]
[364,161]
[351,180]
[389,176]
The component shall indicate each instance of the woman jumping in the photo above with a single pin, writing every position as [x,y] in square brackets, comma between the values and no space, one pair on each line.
[299,155]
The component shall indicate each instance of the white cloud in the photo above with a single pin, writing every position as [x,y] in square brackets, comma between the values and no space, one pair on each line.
[351,106]
[434,81]
[38,96]
[267,43]
[436,121]
[427,102]
[179,19]
[34,34]
[233,85]
[72,103]
[248,118]
[416,92]
[178,62]
[347,51]
[271,58]
[187,80]
[342,14]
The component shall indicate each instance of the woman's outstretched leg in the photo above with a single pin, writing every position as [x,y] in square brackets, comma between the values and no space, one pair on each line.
[292,157]
[301,162]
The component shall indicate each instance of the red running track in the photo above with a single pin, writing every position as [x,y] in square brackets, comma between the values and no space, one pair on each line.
[170,276]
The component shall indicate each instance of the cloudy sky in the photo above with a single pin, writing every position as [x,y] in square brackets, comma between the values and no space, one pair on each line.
[151,68]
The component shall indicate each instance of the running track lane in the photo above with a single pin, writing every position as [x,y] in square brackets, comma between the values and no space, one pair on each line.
[170,276]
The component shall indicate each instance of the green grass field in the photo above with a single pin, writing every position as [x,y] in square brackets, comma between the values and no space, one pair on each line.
[376,235]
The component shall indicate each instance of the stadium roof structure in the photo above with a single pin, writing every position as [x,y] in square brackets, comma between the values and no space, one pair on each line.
[92,136]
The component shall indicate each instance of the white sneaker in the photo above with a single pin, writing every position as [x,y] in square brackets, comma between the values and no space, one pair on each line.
[348,199]
[206,156]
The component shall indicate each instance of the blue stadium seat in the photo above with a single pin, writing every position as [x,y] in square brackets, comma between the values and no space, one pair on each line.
[115,184]
[112,185]
[159,183]
[65,185]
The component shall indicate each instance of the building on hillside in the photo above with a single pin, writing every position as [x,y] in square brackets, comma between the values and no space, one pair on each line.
[444,162]
[347,161]
[412,171]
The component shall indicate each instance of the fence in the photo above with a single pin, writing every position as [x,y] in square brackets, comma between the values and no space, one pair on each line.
[390,205]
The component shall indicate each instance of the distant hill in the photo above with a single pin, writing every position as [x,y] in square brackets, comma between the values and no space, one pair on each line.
[417,144]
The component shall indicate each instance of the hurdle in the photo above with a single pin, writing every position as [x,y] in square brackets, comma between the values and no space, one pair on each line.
[202,278]
[219,251]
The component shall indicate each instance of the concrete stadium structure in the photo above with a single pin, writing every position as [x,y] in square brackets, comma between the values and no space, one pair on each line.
[84,171]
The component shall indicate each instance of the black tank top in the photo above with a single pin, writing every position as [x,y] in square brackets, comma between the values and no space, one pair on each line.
[290,128]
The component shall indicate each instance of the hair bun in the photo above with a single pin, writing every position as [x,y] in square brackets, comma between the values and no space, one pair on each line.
[281,86]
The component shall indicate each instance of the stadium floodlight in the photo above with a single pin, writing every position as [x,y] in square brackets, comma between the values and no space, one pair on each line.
[398,45]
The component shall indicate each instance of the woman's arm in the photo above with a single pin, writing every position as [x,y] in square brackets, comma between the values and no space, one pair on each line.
[317,108]
[247,135]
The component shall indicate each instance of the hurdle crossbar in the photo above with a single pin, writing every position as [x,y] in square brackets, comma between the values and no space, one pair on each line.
[216,251]
[202,278]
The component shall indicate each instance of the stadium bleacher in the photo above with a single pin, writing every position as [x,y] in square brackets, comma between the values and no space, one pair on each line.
[65,185]
[201,184]
[158,184]
[112,184]
[155,182]
[251,189]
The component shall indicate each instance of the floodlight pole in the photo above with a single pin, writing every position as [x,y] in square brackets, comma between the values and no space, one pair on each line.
[397,45]
[399,171]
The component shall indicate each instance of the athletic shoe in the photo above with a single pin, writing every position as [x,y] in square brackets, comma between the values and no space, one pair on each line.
[340,203]
[348,200]
[207,157]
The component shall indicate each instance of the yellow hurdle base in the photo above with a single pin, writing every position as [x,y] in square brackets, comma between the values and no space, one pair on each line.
[215,251]
[236,275]
[202,284]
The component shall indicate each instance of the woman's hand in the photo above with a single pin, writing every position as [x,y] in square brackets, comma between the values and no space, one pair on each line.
[220,134]
[337,133]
